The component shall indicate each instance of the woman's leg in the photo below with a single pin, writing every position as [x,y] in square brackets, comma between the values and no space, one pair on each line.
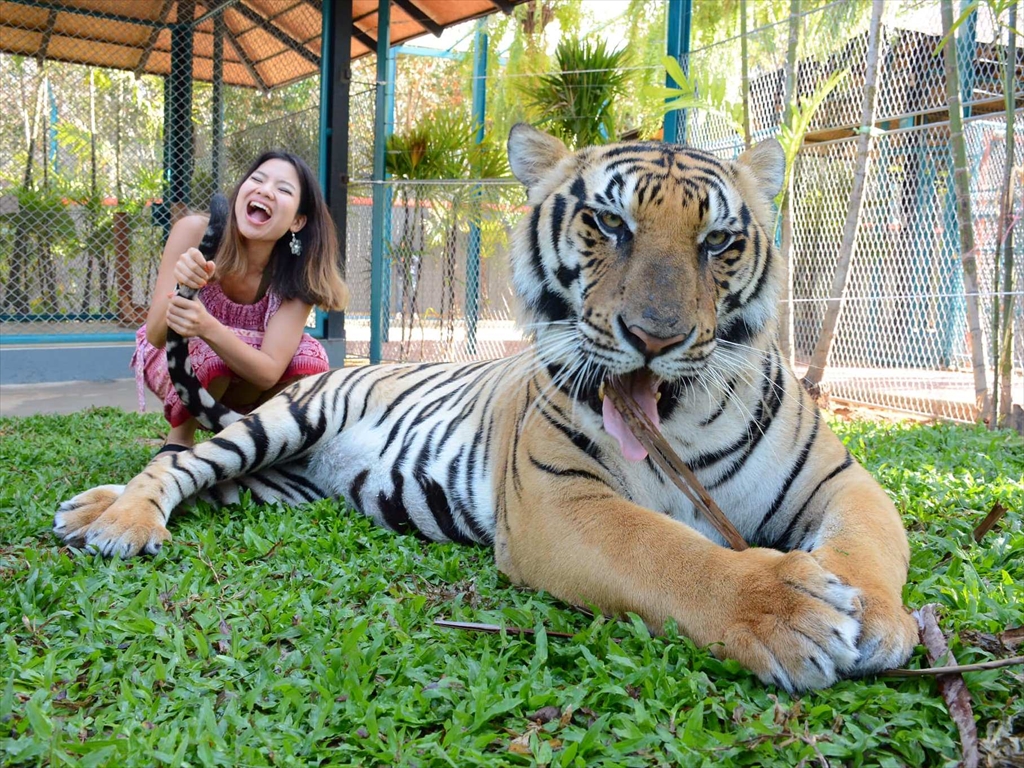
[242,393]
[185,434]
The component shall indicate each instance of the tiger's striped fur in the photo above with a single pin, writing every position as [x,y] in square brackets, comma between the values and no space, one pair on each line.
[645,261]
[211,414]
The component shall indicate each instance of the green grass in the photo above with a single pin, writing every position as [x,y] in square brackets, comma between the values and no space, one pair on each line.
[305,636]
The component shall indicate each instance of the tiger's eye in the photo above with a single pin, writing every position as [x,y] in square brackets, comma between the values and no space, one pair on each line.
[610,220]
[716,238]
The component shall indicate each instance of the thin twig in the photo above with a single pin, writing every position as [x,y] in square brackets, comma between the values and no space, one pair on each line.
[954,670]
[673,466]
[472,626]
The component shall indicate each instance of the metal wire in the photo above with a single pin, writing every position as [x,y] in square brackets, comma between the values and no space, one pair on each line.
[85,202]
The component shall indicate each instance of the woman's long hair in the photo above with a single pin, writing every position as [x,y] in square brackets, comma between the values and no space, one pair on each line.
[314,276]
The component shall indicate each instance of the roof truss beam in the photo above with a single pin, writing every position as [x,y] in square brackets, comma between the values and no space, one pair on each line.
[246,61]
[153,35]
[364,38]
[277,34]
[44,45]
[218,8]
[420,17]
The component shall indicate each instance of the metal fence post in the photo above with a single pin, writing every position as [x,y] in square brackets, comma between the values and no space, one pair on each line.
[379,145]
[389,129]
[473,257]
[680,16]
[178,131]
[335,83]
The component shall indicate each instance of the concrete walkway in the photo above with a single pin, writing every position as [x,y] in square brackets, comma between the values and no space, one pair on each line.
[72,396]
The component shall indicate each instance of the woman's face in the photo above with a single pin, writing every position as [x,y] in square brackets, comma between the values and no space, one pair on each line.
[268,202]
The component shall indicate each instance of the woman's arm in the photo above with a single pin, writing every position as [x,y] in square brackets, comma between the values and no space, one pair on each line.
[185,234]
[260,367]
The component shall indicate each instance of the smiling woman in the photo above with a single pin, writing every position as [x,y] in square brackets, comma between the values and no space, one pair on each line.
[277,259]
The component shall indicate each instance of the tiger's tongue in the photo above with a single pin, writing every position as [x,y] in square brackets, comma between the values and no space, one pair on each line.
[644,389]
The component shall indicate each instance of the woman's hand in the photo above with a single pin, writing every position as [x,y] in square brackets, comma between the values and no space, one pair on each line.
[189,317]
[193,270]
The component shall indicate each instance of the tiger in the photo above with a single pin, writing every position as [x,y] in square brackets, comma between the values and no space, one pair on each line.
[645,263]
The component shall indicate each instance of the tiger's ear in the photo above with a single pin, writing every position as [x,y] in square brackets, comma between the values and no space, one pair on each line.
[532,154]
[767,163]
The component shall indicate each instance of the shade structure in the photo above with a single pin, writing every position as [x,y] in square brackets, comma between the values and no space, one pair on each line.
[268,43]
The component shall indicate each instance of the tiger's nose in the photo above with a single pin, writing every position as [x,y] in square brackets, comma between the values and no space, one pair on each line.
[650,344]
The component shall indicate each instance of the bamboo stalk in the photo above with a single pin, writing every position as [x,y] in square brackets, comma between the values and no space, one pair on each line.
[1003,375]
[673,466]
[961,185]
[826,335]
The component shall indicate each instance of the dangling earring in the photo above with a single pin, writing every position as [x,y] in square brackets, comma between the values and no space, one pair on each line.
[295,245]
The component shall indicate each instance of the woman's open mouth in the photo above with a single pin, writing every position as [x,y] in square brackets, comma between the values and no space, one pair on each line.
[257,213]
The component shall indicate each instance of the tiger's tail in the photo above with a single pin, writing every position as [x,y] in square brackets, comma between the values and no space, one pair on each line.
[200,403]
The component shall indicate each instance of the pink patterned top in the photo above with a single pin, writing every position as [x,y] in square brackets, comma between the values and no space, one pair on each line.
[248,321]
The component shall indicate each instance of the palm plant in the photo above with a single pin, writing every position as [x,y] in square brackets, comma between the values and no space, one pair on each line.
[577,102]
[442,146]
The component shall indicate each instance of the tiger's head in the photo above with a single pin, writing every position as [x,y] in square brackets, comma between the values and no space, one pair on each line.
[639,259]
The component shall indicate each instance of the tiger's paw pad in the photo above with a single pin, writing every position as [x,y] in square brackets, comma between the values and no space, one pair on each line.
[797,625]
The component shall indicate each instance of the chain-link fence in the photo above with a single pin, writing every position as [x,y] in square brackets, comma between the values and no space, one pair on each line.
[119,118]
[902,340]
[447,275]
[95,162]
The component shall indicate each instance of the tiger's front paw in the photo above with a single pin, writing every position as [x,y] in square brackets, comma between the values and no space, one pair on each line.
[888,635]
[100,520]
[76,514]
[793,623]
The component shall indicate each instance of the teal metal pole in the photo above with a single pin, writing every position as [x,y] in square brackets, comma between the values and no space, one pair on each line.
[680,18]
[389,192]
[217,105]
[326,60]
[323,155]
[473,257]
[377,221]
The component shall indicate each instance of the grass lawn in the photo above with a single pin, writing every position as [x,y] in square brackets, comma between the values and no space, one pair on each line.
[305,636]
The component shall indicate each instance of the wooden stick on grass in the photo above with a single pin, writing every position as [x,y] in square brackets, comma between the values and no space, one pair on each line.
[673,466]
[954,670]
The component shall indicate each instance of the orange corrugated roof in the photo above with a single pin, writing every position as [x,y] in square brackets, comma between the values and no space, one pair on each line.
[269,43]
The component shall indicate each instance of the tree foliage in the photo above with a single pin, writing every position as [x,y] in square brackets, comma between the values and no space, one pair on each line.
[577,103]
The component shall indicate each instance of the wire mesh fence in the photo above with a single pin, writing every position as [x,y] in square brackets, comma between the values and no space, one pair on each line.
[118,119]
[96,162]
[902,340]
[447,273]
